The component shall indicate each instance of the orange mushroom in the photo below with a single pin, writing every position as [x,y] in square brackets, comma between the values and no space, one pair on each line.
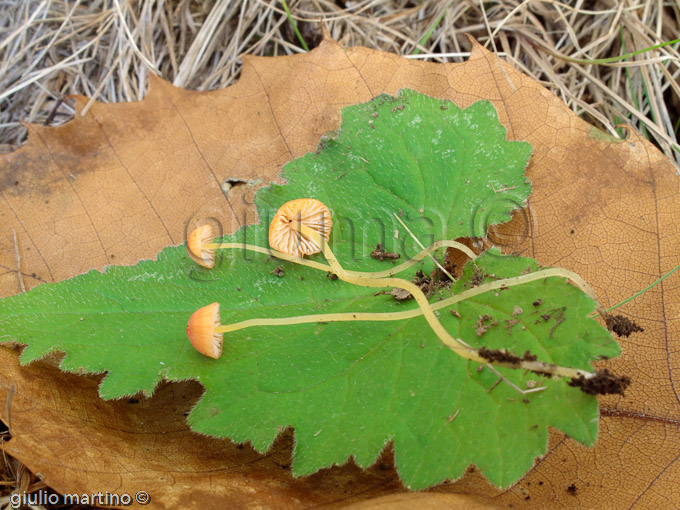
[199,246]
[202,330]
[286,232]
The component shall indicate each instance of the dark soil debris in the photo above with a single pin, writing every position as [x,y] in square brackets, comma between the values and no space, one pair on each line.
[572,489]
[503,356]
[437,280]
[484,323]
[477,278]
[400,294]
[529,357]
[441,276]
[421,280]
[604,382]
[537,302]
[621,325]
[511,323]
[557,314]
[278,271]
[380,254]
[499,355]
[331,276]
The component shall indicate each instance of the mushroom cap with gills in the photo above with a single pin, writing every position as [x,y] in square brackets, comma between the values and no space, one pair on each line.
[201,330]
[196,246]
[284,234]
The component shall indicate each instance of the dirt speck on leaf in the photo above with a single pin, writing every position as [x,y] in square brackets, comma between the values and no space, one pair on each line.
[484,323]
[400,294]
[380,254]
[503,356]
[278,271]
[604,382]
[621,325]
[477,278]
[557,314]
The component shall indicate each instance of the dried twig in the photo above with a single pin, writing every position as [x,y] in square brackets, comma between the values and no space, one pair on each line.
[17,257]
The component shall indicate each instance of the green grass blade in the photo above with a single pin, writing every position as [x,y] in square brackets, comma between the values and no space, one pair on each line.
[292,22]
[645,289]
[428,34]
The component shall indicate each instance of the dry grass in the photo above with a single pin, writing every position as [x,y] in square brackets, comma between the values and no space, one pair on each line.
[104,50]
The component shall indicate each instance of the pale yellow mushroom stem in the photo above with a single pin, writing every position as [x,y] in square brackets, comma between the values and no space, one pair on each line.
[360,274]
[403,315]
[456,345]
[381,279]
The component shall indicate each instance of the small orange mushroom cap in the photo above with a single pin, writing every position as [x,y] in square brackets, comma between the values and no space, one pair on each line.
[196,246]
[201,330]
[303,211]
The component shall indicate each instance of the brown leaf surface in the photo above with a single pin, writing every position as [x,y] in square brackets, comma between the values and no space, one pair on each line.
[125,180]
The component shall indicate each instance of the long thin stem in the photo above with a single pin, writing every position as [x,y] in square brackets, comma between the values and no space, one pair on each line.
[506,282]
[456,345]
[402,315]
[371,280]
[360,274]
[270,252]
[645,289]
[295,28]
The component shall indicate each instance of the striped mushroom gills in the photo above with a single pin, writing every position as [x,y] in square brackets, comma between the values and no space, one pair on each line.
[285,230]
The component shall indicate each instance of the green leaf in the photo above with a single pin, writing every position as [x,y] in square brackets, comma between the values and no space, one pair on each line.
[349,388]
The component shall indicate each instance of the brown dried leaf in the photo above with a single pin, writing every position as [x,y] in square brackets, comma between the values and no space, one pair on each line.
[123,181]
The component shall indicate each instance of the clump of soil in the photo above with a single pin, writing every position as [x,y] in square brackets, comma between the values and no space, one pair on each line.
[278,271]
[437,280]
[331,276]
[503,356]
[484,323]
[428,284]
[400,294]
[621,325]
[603,383]
[380,254]
[477,278]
